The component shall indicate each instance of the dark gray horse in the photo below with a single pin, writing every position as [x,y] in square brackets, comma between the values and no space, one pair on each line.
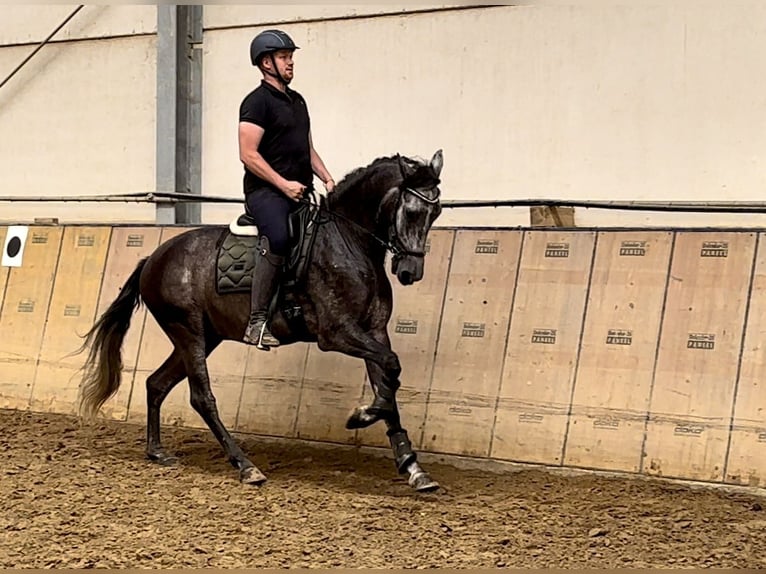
[345,301]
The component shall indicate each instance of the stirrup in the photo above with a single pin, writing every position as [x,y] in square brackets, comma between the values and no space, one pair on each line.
[262,339]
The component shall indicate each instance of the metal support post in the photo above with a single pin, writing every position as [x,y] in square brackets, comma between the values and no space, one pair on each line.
[179,101]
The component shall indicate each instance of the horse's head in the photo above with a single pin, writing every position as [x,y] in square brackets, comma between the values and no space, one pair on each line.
[415,207]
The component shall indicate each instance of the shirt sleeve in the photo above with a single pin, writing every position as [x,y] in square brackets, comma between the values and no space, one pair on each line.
[253,109]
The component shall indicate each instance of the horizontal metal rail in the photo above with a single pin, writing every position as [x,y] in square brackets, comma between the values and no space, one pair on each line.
[174,197]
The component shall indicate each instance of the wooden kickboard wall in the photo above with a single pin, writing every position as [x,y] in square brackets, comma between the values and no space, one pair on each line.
[628,350]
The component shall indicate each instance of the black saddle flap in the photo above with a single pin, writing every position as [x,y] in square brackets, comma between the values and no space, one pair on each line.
[245,219]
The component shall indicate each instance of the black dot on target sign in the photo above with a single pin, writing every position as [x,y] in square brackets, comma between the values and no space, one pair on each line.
[13,250]
[14,247]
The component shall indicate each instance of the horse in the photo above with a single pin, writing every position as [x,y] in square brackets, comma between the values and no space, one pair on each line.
[340,299]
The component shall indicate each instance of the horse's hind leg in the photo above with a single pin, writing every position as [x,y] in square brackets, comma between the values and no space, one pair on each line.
[203,401]
[158,385]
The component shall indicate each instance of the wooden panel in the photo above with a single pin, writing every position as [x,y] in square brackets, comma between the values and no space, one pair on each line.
[272,390]
[468,364]
[331,389]
[691,405]
[127,247]
[542,349]
[3,271]
[154,348]
[618,350]
[413,331]
[25,309]
[746,463]
[72,310]
[747,454]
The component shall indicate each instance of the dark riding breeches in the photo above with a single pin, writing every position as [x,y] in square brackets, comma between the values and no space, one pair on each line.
[270,209]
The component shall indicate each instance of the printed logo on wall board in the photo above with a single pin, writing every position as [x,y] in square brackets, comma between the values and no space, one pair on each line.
[633,249]
[714,249]
[557,249]
[406,326]
[86,241]
[490,246]
[13,250]
[619,337]
[530,418]
[473,330]
[544,336]
[607,423]
[136,240]
[688,430]
[704,341]
[460,410]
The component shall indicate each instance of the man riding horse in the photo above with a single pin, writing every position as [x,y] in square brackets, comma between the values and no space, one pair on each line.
[280,161]
[344,298]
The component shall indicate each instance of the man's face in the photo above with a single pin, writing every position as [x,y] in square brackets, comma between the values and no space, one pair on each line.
[284,61]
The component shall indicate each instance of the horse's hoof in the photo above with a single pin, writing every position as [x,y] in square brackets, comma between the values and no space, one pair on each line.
[251,475]
[162,458]
[421,482]
[361,418]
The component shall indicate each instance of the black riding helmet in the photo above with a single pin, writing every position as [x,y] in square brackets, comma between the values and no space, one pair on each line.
[268,42]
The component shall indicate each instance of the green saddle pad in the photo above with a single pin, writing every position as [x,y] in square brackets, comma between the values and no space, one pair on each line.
[235,262]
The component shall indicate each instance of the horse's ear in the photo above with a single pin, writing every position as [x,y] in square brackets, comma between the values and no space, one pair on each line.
[402,165]
[437,161]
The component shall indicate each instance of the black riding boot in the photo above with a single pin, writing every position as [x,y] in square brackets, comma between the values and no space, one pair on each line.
[266,273]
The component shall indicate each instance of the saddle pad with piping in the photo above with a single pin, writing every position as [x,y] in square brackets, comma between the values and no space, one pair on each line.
[235,262]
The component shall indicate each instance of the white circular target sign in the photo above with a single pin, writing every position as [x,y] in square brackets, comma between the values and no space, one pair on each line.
[13,250]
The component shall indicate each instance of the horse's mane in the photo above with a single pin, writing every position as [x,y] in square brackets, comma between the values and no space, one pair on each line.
[352,180]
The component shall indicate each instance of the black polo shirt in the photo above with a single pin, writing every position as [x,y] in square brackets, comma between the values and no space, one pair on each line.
[285,143]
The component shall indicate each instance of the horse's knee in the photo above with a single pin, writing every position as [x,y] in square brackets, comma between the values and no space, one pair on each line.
[392,366]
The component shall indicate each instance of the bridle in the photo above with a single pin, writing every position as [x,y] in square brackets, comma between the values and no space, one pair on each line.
[394,243]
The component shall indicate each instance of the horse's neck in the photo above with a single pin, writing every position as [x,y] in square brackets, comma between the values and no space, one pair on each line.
[365,209]
[360,220]
[361,231]
[343,249]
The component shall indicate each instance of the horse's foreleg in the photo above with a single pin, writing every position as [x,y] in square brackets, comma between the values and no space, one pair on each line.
[405,458]
[384,376]
[384,383]
[383,369]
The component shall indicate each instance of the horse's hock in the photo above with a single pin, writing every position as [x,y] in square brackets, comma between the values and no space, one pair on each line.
[629,350]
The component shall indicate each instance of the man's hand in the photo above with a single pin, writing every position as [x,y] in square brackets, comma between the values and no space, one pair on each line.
[294,190]
[329,185]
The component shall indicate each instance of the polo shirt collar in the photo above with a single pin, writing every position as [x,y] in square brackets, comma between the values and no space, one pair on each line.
[279,93]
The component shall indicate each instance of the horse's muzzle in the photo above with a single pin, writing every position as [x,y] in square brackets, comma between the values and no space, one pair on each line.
[408,269]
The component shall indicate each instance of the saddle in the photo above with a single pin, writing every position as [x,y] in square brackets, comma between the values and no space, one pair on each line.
[236,253]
